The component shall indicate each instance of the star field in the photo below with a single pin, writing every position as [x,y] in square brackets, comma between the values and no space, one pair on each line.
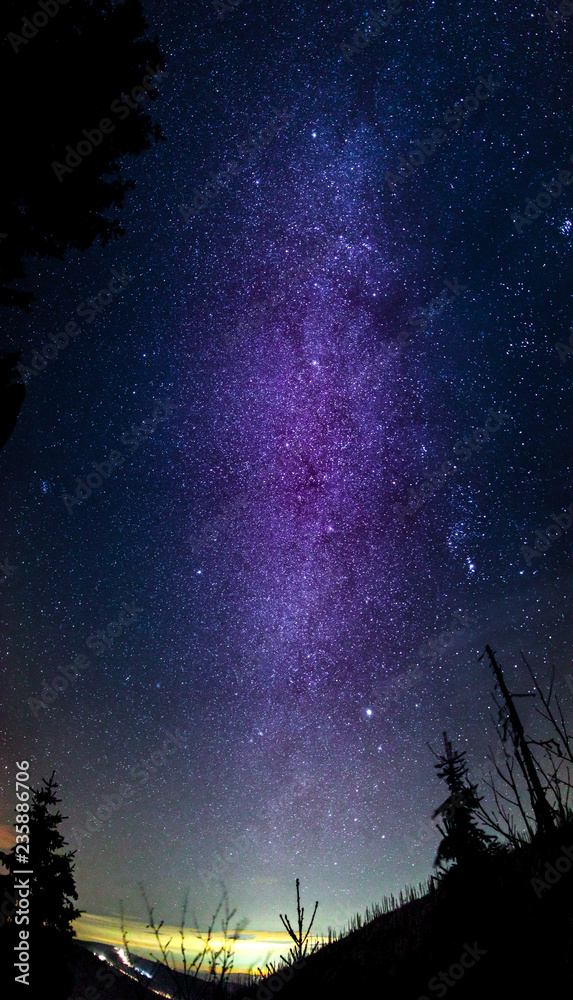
[286,606]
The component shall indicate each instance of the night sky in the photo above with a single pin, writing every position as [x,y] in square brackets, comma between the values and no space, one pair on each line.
[309,367]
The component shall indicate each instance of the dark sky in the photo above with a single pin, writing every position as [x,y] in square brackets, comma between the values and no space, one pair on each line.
[282,603]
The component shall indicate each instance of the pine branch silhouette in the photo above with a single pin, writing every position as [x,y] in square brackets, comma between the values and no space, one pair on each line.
[300,936]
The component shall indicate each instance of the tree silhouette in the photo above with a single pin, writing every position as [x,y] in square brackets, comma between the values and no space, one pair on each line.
[61,79]
[463,840]
[51,896]
[512,726]
[546,783]
[299,951]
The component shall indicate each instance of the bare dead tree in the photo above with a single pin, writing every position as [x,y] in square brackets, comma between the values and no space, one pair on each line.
[512,727]
[564,741]
[503,821]
[558,748]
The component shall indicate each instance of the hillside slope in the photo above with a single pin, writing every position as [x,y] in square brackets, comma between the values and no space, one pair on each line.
[514,938]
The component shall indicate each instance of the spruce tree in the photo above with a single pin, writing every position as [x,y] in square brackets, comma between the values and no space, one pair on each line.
[61,80]
[52,893]
[463,840]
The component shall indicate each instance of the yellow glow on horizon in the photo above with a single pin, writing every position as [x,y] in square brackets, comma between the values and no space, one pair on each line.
[252,948]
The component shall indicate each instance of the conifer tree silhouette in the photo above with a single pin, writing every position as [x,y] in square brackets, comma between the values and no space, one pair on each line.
[59,80]
[51,897]
[463,840]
